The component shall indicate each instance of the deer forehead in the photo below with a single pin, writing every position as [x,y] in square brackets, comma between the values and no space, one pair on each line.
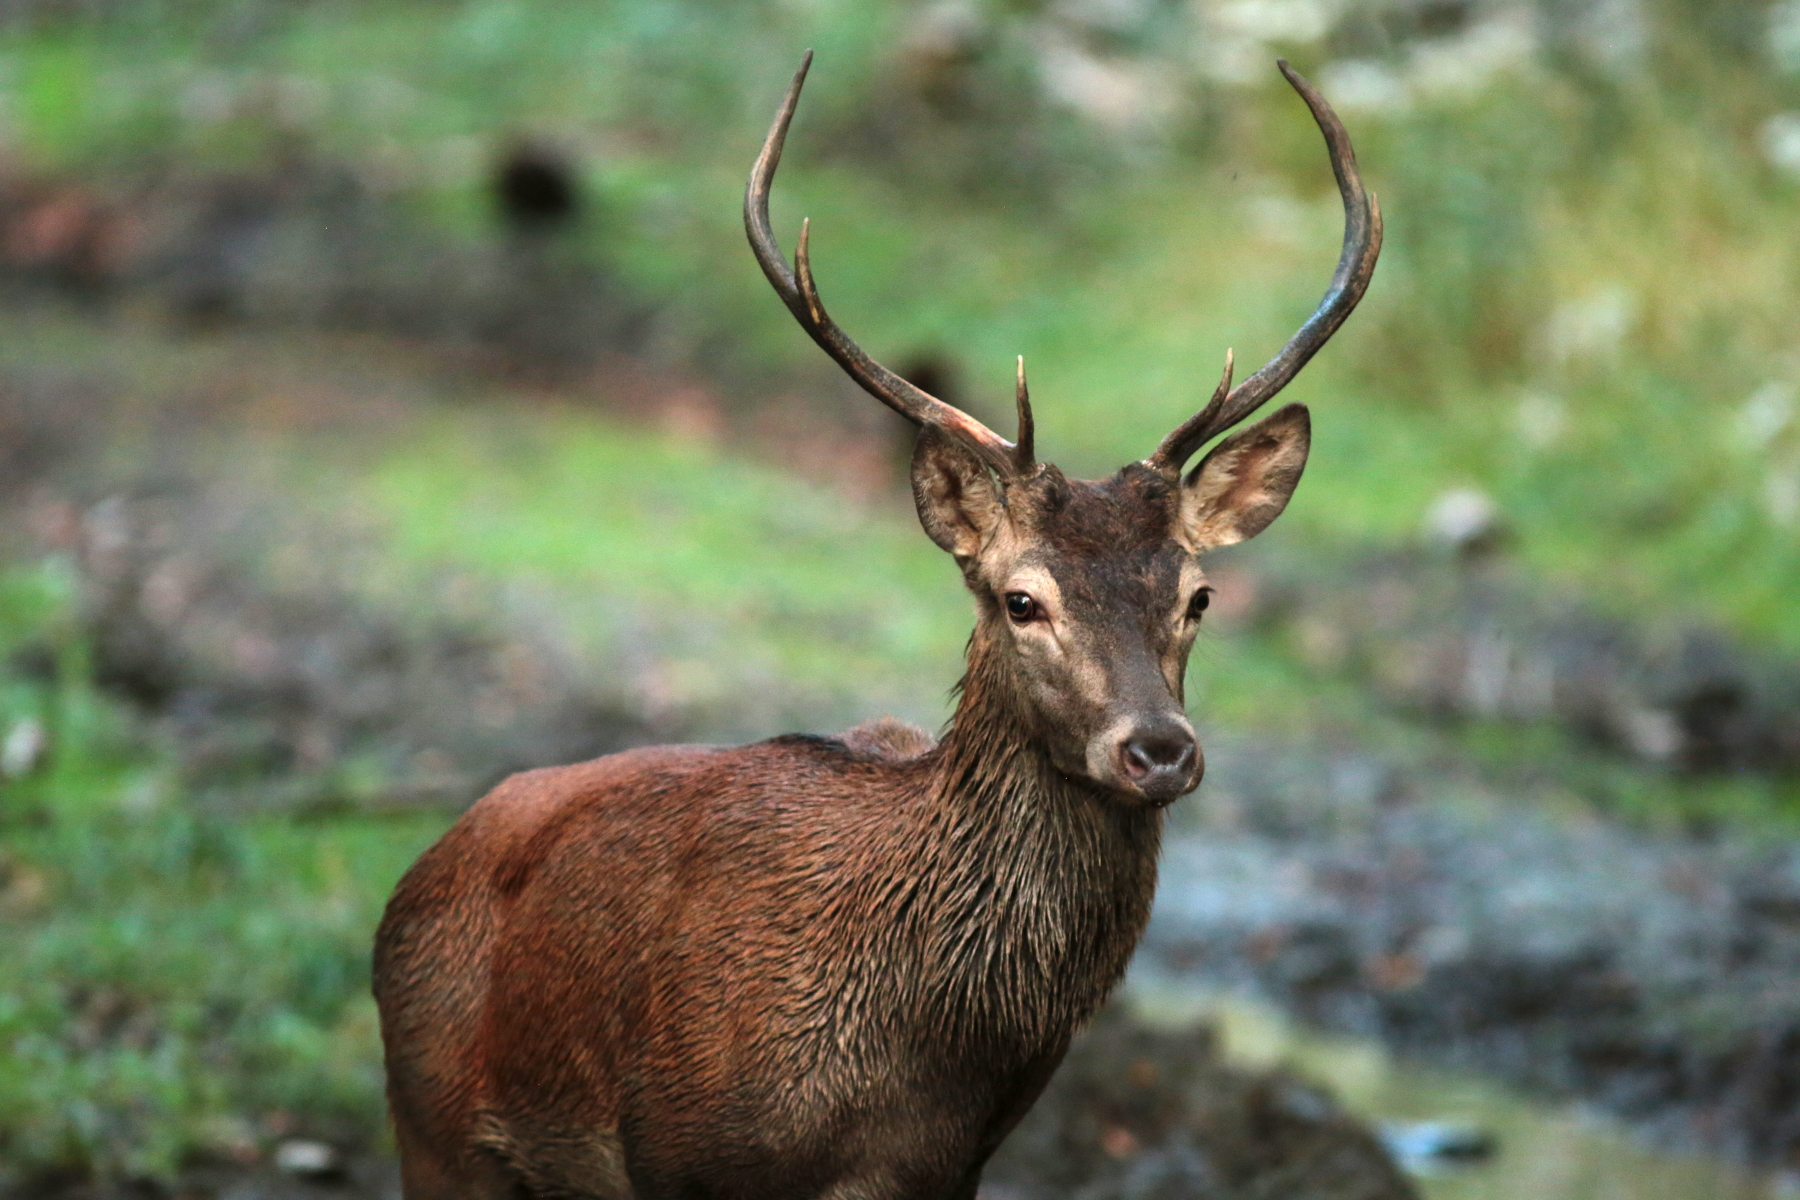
[1091,548]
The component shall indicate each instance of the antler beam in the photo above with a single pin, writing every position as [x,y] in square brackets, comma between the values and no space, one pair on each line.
[800,293]
[1356,264]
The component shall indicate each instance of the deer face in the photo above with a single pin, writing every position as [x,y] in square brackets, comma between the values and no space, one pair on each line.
[1090,593]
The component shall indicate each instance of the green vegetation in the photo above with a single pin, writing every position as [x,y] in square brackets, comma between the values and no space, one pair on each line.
[739,572]
[183,984]
[177,982]
[1584,308]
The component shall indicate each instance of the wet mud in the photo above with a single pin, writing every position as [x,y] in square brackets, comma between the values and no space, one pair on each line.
[1656,977]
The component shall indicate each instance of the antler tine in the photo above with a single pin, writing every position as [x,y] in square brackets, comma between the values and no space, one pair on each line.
[1356,264]
[1025,453]
[1193,431]
[801,295]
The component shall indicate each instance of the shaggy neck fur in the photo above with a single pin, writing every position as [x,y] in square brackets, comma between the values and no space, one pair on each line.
[1038,885]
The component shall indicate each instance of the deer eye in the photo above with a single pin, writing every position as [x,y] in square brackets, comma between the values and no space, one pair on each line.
[1020,607]
[1198,604]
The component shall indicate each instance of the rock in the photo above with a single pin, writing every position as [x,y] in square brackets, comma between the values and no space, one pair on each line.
[1465,520]
[1426,1147]
[23,748]
[309,1159]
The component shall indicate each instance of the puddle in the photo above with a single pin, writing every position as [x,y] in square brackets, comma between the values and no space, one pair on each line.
[1540,1151]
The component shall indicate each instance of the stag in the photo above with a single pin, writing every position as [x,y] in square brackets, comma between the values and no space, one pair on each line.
[842,967]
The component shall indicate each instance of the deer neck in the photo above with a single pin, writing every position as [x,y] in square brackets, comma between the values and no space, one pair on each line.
[1045,882]
[991,765]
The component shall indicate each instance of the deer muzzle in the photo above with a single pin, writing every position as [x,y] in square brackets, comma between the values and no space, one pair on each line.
[1153,758]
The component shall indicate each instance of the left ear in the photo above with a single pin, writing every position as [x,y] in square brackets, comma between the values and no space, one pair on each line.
[1246,480]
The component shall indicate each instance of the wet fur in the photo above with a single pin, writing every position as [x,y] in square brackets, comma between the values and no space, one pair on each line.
[768,971]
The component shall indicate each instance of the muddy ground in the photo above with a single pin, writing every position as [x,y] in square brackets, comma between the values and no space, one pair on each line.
[1658,978]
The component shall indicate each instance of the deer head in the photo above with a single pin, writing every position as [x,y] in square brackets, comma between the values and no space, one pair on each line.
[1089,593]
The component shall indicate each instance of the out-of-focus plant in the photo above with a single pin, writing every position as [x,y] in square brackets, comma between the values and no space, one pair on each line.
[176,983]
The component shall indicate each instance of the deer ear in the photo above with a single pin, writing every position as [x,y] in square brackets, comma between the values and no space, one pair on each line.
[959,502]
[1246,480]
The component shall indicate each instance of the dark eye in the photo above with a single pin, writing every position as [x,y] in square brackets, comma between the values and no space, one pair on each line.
[1198,604]
[1020,607]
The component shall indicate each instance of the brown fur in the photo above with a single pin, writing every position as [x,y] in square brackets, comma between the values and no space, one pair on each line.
[884,737]
[843,968]
[644,959]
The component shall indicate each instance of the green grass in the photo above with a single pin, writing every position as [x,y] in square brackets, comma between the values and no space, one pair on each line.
[731,570]
[177,982]
[186,985]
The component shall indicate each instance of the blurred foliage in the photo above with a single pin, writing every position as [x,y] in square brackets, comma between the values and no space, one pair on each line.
[167,970]
[645,526]
[187,984]
[1585,306]
[184,985]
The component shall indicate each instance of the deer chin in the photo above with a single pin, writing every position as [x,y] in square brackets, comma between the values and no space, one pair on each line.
[1157,796]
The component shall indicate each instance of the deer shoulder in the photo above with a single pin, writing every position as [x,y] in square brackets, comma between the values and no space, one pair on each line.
[888,738]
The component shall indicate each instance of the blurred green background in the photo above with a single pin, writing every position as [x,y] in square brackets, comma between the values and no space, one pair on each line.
[388,383]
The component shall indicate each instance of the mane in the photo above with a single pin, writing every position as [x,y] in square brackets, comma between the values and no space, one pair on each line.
[1030,888]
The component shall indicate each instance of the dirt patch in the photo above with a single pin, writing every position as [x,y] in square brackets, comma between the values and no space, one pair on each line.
[1657,977]
[1457,638]
[264,640]
[271,641]
[295,687]
[1139,1114]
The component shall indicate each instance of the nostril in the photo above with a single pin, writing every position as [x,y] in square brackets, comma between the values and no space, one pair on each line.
[1148,755]
[1137,760]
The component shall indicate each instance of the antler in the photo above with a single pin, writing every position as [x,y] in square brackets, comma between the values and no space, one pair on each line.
[1362,243]
[801,295]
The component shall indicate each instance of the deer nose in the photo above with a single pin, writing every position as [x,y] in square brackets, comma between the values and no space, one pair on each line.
[1159,761]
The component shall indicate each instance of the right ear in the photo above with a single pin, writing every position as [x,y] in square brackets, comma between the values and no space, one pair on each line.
[959,502]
